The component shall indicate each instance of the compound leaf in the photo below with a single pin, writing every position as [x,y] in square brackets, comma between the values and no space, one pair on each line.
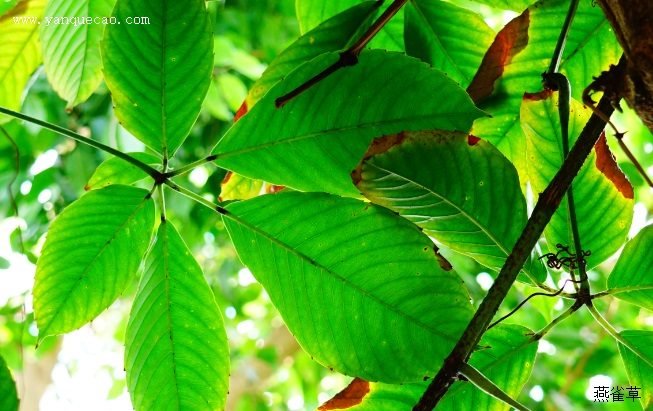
[355,283]
[91,252]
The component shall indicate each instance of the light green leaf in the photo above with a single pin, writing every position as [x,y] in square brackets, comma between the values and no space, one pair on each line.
[603,212]
[7,5]
[355,283]
[465,193]
[448,37]
[117,171]
[639,371]
[321,135]
[176,355]
[591,47]
[71,52]
[508,363]
[159,73]
[90,254]
[336,33]
[311,13]
[8,395]
[237,187]
[20,53]
[633,273]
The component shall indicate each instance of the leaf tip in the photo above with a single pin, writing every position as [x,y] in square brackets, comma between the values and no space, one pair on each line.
[607,164]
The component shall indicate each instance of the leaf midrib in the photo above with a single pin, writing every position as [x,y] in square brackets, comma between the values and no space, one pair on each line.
[291,250]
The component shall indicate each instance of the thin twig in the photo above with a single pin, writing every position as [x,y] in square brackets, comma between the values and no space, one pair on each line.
[348,57]
[556,294]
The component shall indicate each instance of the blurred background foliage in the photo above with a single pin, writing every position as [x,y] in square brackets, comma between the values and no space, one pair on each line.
[84,370]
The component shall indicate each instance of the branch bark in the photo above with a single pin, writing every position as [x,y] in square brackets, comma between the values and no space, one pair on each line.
[632,21]
[546,206]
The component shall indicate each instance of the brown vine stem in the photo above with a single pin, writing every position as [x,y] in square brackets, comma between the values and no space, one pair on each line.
[546,206]
[348,57]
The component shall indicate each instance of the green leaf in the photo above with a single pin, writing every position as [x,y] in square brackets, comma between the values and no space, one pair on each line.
[632,273]
[640,373]
[355,283]
[71,52]
[591,47]
[90,254]
[336,33]
[604,213]
[448,37]
[7,5]
[20,52]
[117,171]
[508,363]
[8,395]
[464,193]
[176,355]
[159,73]
[321,135]
[311,13]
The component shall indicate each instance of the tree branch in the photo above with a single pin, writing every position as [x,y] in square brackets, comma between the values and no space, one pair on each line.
[546,206]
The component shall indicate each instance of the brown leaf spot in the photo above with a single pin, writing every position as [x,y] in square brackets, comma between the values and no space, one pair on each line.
[349,397]
[607,165]
[542,95]
[444,263]
[87,187]
[241,111]
[472,140]
[379,145]
[511,40]
[225,181]
[271,188]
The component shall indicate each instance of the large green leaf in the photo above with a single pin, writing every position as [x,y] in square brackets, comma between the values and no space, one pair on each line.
[8,394]
[448,37]
[91,252]
[639,371]
[159,73]
[7,5]
[117,171]
[20,53]
[71,52]
[464,193]
[336,33]
[591,47]
[311,13]
[320,136]
[355,283]
[633,273]
[176,355]
[508,363]
[604,213]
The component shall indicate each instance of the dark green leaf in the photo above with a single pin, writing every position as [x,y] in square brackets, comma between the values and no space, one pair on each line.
[320,136]
[355,283]
[176,355]
[91,252]
[158,73]
[8,394]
